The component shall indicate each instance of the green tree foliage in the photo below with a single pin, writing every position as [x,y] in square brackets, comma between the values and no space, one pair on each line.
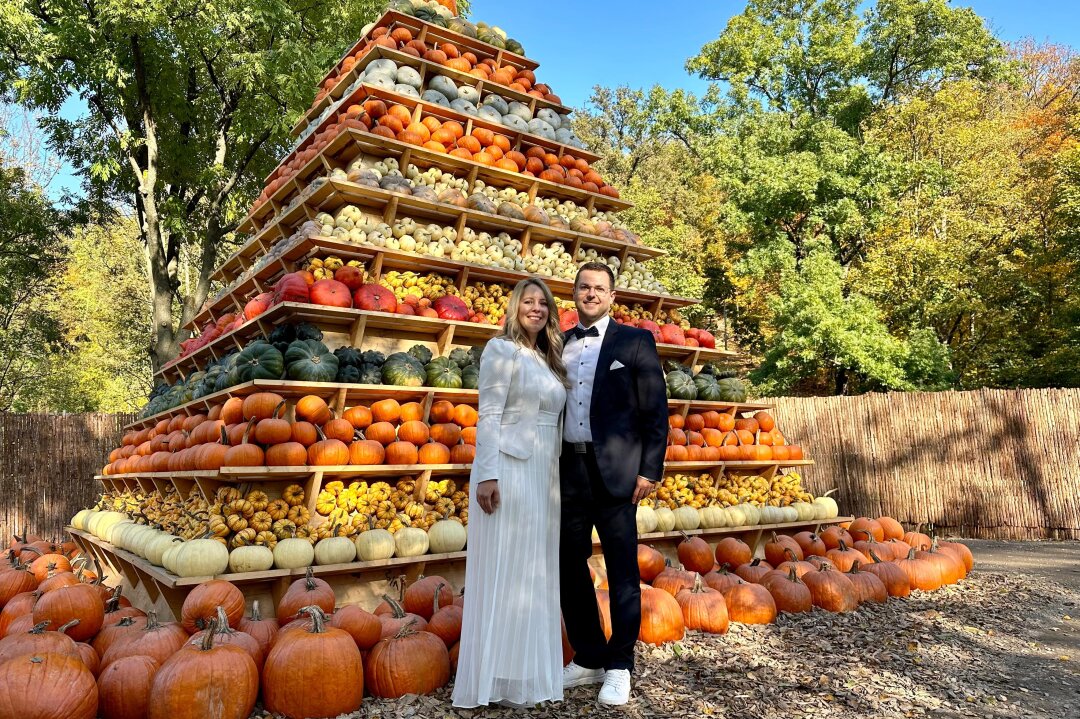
[30,254]
[190,107]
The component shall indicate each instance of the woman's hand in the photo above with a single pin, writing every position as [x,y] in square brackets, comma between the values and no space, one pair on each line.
[487,495]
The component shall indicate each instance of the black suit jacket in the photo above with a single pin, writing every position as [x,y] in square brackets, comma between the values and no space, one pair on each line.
[628,413]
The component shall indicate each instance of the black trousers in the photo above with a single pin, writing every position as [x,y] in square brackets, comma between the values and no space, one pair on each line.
[586,503]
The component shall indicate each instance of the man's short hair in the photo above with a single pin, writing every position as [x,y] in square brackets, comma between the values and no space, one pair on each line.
[596,267]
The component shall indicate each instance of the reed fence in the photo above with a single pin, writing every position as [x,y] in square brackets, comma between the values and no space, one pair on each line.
[986,463]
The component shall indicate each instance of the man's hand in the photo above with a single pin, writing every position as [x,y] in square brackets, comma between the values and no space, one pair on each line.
[643,489]
[487,495]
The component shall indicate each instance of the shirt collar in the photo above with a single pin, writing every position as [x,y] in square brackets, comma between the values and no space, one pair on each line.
[601,325]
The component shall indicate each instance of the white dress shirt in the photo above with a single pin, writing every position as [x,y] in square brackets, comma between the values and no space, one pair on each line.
[580,357]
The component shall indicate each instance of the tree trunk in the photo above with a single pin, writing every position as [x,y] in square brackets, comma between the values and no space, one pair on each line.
[841,382]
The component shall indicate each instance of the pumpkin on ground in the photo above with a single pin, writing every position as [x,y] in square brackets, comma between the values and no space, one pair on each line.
[661,617]
[407,662]
[313,673]
[703,608]
[205,680]
[65,688]
[831,590]
[200,606]
[80,602]
[750,604]
[124,688]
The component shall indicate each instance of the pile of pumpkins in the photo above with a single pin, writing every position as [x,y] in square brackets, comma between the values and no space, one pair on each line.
[77,650]
[723,436]
[869,561]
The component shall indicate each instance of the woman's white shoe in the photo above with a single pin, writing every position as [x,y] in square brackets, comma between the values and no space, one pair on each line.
[616,689]
[575,675]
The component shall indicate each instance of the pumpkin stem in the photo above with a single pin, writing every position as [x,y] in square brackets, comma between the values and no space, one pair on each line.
[874,556]
[397,611]
[40,628]
[151,621]
[309,579]
[113,604]
[854,567]
[911,554]
[221,624]
[248,431]
[207,642]
[256,615]
[224,436]
[792,576]
[790,555]
[279,408]
[64,627]
[843,546]
[698,588]
[318,618]
[406,630]
[438,591]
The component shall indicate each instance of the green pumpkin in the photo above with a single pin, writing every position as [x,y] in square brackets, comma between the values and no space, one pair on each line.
[515,47]
[448,377]
[403,370]
[374,357]
[348,374]
[402,6]
[282,334]
[731,390]
[308,331]
[470,377]
[258,360]
[420,352]
[371,374]
[681,386]
[707,389]
[310,361]
[461,357]
[349,357]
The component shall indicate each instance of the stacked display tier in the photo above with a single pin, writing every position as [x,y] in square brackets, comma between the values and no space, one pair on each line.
[332,194]
[152,586]
[351,142]
[423,31]
[347,394]
[355,325]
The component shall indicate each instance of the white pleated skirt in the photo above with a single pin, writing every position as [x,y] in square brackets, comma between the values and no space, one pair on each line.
[511,634]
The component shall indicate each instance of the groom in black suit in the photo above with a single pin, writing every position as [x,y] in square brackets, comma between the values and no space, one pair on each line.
[614,437]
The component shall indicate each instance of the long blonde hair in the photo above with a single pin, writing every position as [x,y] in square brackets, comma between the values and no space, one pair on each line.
[549,342]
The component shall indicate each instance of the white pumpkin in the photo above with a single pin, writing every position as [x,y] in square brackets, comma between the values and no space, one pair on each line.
[111,531]
[411,542]
[447,535]
[168,557]
[687,517]
[771,515]
[156,548]
[665,519]
[253,558]
[374,545]
[101,522]
[201,558]
[335,550]
[807,512]
[790,514]
[81,518]
[826,505]
[752,513]
[736,517]
[713,517]
[646,520]
[293,553]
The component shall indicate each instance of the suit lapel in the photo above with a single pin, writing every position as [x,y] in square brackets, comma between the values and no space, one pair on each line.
[603,361]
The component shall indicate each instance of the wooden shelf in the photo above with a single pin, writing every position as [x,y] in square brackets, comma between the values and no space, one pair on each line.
[350,142]
[333,194]
[236,295]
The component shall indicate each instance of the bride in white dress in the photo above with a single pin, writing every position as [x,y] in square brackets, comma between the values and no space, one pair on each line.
[511,636]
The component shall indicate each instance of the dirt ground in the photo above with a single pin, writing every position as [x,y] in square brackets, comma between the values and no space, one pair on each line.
[1005,642]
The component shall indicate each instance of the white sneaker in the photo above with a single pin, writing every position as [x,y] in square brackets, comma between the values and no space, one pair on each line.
[574,675]
[616,689]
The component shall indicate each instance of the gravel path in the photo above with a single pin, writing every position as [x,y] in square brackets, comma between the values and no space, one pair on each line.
[1003,643]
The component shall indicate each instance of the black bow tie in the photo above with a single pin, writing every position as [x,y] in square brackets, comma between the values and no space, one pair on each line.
[580,332]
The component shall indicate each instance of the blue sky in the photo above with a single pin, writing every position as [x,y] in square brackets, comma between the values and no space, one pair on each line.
[582,43]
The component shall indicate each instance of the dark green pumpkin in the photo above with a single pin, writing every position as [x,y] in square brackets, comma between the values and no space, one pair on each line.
[470,377]
[371,374]
[349,356]
[732,390]
[283,334]
[461,357]
[374,357]
[308,331]
[681,386]
[403,370]
[707,389]
[310,361]
[258,360]
[448,377]
[348,373]
[420,352]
